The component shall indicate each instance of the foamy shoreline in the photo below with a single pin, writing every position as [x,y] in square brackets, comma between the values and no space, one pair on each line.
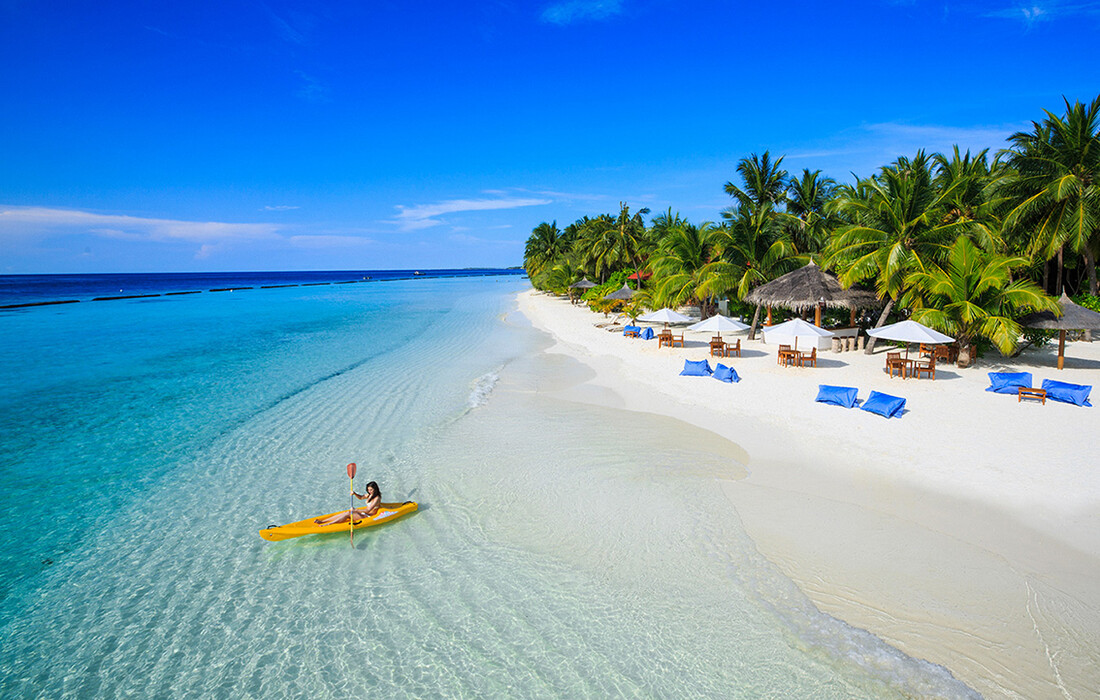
[966,532]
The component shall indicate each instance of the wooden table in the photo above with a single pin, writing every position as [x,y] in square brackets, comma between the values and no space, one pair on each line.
[904,364]
[788,357]
[1025,392]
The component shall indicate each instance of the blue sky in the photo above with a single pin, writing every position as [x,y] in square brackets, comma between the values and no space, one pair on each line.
[153,136]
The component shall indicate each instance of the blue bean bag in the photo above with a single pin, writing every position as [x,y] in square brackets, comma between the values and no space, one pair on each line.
[883,404]
[647,333]
[1008,382]
[725,374]
[1076,394]
[628,329]
[696,368]
[837,395]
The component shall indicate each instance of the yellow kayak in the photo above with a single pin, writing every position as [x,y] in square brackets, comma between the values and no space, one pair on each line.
[386,513]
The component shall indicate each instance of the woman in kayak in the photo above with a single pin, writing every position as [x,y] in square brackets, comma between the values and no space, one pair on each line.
[372,496]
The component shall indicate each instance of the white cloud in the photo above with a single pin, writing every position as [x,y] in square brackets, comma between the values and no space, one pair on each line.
[312,90]
[43,220]
[1050,10]
[280,207]
[422,216]
[571,11]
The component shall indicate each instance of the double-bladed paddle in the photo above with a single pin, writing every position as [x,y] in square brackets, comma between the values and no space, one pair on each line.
[351,511]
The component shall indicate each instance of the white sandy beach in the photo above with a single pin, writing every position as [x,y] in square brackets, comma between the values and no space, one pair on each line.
[966,532]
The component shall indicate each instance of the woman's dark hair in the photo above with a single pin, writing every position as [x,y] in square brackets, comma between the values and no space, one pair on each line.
[377,490]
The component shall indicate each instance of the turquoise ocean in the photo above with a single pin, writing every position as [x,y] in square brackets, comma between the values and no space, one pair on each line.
[562,550]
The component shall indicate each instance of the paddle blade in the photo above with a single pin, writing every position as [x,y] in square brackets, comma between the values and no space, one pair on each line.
[351,470]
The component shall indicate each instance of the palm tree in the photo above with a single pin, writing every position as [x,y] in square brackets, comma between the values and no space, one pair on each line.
[631,236]
[544,247]
[560,276]
[808,217]
[753,249]
[680,261]
[973,295]
[594,246]
[1057,185]
[607,244]
[899,227]
[764,183]
[975,195]
[663,223]
[752,245]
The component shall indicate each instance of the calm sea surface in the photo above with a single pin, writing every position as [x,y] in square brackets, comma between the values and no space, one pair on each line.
[143,443]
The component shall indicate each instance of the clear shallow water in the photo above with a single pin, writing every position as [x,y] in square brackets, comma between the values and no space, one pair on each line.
[562,549]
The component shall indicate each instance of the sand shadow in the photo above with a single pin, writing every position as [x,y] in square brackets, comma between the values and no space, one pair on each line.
[828,363]
[747,353]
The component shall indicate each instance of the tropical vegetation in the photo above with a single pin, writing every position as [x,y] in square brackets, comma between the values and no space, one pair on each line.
[965,243]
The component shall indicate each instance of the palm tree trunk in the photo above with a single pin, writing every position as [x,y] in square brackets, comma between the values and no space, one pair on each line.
[881,320]
[755,320]
[1090,265]
[1059,290]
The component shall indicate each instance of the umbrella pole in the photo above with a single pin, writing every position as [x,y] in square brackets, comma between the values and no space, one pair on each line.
[1061,349]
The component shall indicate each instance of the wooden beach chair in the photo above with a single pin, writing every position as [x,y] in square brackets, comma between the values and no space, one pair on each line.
[927,367]
[806,359]
[894,362]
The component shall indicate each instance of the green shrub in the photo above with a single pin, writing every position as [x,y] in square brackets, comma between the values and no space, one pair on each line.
[1038,336]
[1089,301]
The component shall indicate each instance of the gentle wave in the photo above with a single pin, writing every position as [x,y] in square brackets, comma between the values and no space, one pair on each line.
[483,388]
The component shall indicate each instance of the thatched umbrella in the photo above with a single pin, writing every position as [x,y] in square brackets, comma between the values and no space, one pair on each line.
[811,286]
[583,285]
[1072,318]
[624,294]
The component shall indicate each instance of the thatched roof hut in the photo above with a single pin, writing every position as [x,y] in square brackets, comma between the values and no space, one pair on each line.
[1074,317]
[811,287]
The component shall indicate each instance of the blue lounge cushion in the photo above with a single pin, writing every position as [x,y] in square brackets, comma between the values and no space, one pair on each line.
[647,333]
[1008,382]
[628,329]
[696,368]
[883,404]
[1076,394]
[725,374]
[837,395]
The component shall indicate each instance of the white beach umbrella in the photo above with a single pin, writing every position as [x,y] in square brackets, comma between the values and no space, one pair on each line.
[794,329]
[717,324]
[910,332]
[665,316]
